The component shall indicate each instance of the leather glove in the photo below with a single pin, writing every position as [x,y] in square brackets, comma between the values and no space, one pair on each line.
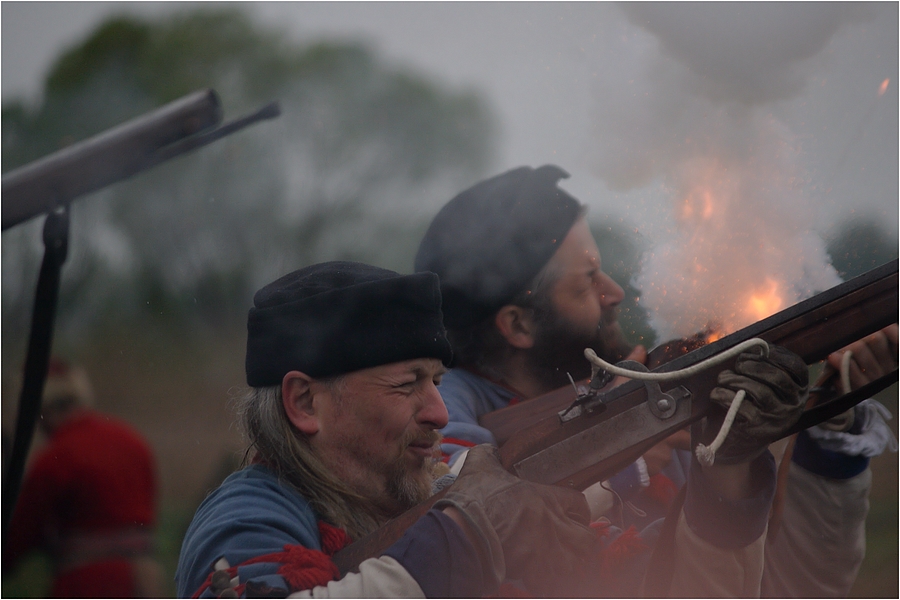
[535,533]
[776,389]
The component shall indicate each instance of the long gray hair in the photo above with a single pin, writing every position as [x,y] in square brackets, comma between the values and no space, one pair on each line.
[289,454]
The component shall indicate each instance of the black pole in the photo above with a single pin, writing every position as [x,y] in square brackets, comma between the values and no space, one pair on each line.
[37,359]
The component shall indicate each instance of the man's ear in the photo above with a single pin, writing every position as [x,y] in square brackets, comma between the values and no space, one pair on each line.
[516,325]
[298,400]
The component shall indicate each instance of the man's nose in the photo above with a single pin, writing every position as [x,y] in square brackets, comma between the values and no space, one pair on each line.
[433,411]
[611,293]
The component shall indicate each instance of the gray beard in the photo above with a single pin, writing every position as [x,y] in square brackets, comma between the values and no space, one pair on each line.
[408,487]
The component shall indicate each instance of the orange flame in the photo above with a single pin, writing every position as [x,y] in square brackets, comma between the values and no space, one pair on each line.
[884,86]
[714,336]
[766,302]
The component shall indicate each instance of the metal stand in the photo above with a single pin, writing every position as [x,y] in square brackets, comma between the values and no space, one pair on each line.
[56,245]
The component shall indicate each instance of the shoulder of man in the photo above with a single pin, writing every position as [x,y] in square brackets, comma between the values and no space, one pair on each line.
[470,395]
[250,515]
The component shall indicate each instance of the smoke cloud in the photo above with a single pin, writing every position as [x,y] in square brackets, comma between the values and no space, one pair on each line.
[746,52]
[734,236]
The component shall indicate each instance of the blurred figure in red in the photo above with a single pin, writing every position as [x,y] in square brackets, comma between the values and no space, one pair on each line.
[88,499]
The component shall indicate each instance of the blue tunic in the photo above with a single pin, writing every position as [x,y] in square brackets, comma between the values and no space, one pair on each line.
[250,515]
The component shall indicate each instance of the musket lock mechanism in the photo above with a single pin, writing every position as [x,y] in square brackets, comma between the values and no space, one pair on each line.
[590,399]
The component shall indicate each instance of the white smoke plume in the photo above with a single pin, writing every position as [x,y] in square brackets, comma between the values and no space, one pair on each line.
[734,239]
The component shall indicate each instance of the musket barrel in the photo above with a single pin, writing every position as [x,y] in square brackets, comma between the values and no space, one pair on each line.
[812,328]
[107,157]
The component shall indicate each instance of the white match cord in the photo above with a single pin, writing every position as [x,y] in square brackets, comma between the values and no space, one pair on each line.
[843,421]
[599,363]
[845,371]
[705,454]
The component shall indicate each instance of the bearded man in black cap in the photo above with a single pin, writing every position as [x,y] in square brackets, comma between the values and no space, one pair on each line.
[525,294]
[343,361]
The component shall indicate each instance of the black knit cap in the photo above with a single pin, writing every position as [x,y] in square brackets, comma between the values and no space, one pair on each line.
[490,241]
[337,317]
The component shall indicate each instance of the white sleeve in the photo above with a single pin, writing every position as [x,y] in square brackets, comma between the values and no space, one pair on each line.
[381,577]
[703,570]
[600,500]
[822,541]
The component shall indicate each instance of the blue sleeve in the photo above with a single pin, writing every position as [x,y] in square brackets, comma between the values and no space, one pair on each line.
[730,524]
[627,482]
[249,516]
[467,397]
[439,556]
[827,463]
[462,436]
[846,454]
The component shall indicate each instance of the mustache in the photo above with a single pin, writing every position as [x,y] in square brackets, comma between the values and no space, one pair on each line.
[430,437]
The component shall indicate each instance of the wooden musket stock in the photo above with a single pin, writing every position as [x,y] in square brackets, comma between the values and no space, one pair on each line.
[530,431]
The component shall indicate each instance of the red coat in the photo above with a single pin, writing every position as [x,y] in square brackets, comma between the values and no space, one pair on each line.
[89,499]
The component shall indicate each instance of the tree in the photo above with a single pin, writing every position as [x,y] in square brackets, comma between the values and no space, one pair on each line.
[359,160]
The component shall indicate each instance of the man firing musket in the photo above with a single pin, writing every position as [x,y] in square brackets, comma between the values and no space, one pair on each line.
[344,361]
[525,294]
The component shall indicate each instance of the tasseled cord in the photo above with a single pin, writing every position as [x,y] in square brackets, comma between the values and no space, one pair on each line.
[705,454]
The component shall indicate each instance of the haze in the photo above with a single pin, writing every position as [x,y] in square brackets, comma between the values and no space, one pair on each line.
[561,74]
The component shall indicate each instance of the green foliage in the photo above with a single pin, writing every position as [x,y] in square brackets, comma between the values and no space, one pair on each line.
[859,246]
[361,149]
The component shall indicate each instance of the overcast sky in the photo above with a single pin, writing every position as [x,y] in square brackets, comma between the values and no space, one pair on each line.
[632,99]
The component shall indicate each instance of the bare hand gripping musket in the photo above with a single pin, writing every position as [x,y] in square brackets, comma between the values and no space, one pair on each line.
[575,441]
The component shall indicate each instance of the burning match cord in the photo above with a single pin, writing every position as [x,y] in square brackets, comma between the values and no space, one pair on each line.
[705,454]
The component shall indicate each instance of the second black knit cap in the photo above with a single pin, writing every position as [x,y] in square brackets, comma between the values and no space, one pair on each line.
[490,241]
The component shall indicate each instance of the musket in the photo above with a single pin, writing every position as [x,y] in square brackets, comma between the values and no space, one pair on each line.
[576,439]
[50,184]
[118,153]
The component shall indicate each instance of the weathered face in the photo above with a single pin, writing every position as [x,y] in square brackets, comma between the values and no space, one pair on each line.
[583,311]
[583,293]
[378,431]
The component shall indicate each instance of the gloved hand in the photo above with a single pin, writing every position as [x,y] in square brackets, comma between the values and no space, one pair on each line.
[535,533]
[776,389]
